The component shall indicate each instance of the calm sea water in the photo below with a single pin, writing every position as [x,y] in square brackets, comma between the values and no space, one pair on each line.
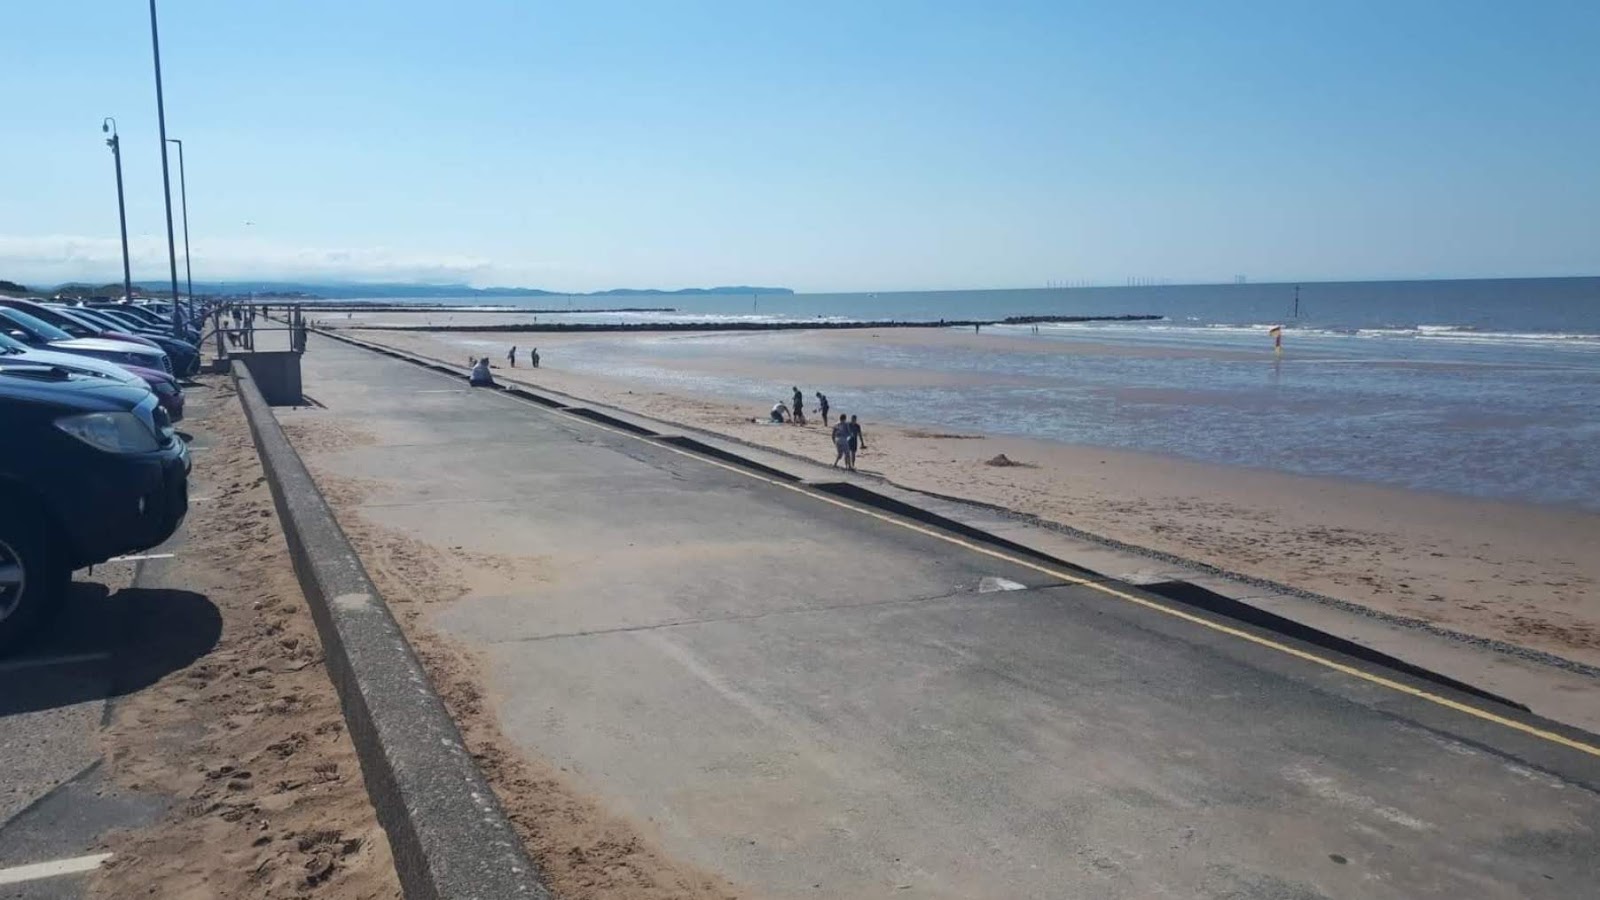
[1483,388]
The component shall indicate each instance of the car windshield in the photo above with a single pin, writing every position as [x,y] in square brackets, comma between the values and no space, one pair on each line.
[124,321]
[92,318]
[38,326]
[55,317]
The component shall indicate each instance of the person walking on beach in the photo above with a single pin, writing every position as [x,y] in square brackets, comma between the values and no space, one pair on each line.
[842,444]
[822,404]
[797,409]
[512,356]
[533,357]
[858,441]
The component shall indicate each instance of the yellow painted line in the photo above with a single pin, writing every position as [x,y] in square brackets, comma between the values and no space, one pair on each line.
[1256,639]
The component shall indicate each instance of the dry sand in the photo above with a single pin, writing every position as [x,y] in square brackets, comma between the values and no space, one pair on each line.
[584,851]
[1521,573]
[249,739]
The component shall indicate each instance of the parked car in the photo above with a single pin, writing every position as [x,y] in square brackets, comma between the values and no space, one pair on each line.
[78,320]
[149,316]
[37,333]
[119,318]
[89,469]
[166,388]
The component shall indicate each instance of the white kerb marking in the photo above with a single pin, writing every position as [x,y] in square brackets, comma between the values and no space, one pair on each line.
[989,584]
[53,869]
[137,558]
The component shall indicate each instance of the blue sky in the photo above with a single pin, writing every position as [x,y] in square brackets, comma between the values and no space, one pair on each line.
[817,145]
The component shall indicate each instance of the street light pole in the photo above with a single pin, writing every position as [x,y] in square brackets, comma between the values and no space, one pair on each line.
[183,193]
[109,125]
[166,179]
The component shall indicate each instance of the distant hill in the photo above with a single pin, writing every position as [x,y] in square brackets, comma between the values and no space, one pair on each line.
[354,291]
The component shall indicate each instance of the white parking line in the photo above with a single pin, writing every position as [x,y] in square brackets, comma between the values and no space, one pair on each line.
[53,869]
[66,659]
[137,558]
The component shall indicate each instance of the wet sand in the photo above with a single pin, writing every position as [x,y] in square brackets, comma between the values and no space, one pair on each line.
[1521,573]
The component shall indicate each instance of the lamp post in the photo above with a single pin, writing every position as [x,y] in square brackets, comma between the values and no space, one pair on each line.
[183,194]
[166,179]
[108,125]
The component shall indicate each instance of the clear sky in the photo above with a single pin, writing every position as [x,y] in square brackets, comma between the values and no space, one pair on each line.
[863,145]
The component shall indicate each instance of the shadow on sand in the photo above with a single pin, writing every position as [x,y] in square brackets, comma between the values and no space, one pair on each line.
[107,645]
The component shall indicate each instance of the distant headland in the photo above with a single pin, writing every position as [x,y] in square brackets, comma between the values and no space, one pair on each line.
[336,290]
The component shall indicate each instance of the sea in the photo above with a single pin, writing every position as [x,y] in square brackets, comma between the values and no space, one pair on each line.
[1484,388]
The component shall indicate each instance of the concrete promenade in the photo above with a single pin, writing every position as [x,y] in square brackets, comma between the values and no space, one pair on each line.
[817,701]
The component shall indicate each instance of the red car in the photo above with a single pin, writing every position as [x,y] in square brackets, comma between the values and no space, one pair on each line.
[168,393]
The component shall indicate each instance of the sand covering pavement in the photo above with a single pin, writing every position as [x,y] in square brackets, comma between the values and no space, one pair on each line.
[249,740]
[584,851]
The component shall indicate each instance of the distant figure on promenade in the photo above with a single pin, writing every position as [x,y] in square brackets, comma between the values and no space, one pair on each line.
[842,444]
[512,356]
[797,412]
[822,404]
[480,376]
[858,441]
[533,357]
[779,412]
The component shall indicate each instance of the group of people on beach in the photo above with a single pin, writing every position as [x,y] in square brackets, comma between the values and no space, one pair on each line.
[846,433]
[482,377]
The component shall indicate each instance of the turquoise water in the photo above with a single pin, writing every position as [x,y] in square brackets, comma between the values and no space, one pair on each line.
[1487,388]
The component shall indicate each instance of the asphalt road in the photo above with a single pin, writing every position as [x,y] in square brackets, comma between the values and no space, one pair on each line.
[116,635]
[817,701]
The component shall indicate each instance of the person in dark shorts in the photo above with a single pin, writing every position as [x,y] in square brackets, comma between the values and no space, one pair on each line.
[512,356]
[858,441]
[822,404]
[842,445]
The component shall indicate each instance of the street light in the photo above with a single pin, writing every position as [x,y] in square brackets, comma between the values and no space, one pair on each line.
[166,179]
[108,125]
[183,192]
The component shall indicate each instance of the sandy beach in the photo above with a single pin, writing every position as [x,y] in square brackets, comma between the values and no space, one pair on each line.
[1522,573]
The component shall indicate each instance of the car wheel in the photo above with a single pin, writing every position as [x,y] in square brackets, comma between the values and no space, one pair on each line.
[32,579]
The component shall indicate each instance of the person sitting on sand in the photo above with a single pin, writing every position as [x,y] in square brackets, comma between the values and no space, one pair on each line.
[779,412]
[822,404]
[480,376]
[842,444]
